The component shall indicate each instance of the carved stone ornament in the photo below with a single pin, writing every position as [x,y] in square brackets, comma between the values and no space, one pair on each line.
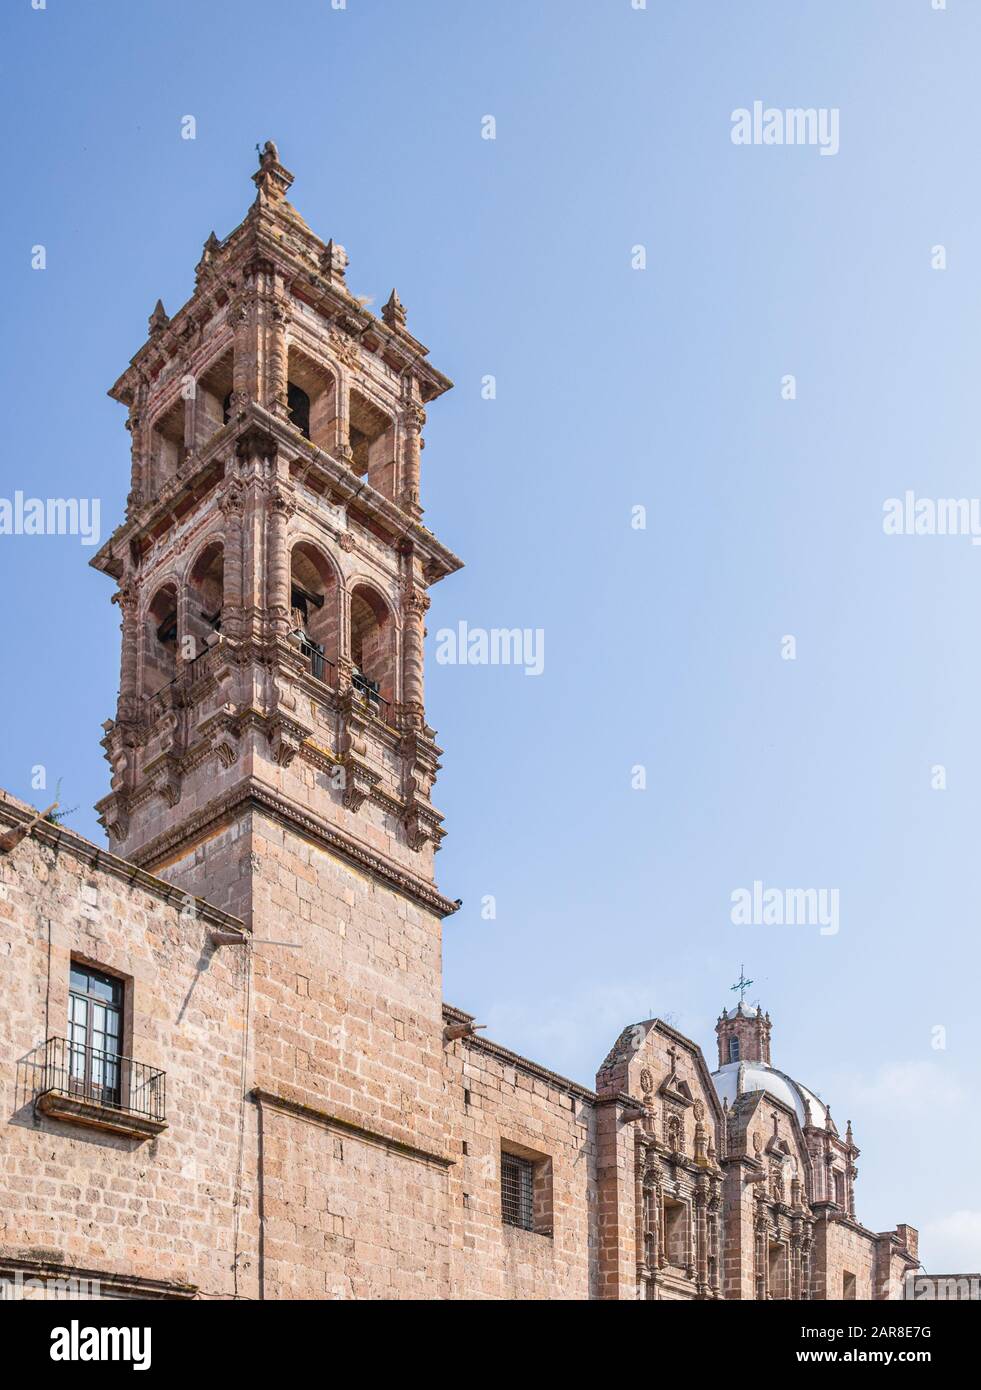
[285,740]
[359,782]
[422,826]
[344,348]
[166,781]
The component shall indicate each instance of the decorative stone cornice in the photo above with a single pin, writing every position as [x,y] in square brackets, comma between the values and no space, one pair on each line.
[260,431]
[252,794]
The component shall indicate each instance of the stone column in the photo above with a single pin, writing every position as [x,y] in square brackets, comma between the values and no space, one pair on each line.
[129,694]
[186,653]
[640,1203]
[233,506]
[245,382]
[662,1254]
[701,1234]
[139,470]
[413,419]
[281,508]
[413,639]
[277,353]
[715,1243]
[342,420]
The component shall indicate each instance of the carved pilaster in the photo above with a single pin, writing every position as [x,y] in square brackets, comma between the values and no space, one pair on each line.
[413,420]
[415,609]
[281,509]
[233,506]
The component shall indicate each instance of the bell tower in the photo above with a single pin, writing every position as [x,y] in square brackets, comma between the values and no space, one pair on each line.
[743,1034]
[272,574]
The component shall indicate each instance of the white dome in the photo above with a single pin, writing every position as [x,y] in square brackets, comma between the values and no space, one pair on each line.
[735,1078]
[742,1010]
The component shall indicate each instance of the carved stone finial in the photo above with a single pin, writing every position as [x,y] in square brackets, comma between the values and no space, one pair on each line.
[271,178]
[393,311]
[334,262]
[159,319]
[206,262]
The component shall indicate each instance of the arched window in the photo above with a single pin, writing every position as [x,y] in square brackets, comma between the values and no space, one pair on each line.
[205,599]
[733,1049]
[168,445]
[160,642]
[212,398]
[372,437]
[313,610]
[372,649]
[311,395]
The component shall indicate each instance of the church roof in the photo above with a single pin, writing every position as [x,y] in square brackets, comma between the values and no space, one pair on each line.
[736,1078]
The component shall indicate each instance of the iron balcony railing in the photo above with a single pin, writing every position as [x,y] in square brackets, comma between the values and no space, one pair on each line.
[324,670]
[367,691]
[104,1078]
[320,667]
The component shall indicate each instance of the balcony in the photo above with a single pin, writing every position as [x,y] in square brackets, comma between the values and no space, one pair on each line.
[101,1089]
[319,666]
[367,693]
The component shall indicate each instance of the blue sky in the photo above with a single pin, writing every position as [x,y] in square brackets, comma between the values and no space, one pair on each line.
[616,387]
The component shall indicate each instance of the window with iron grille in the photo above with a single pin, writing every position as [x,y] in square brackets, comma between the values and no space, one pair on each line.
[517,1191]
[95,1007]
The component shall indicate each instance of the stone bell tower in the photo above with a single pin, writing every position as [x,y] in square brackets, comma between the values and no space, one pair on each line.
[743,1034]
[272,574]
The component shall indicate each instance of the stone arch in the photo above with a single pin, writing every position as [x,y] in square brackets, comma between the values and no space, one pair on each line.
[168,443]
[315,592]
[205,596]
[212,394]
[160,638]
[372,435]
[373,643]
[313,396]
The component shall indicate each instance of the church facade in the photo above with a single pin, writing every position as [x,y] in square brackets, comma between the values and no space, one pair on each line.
[228,1071]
